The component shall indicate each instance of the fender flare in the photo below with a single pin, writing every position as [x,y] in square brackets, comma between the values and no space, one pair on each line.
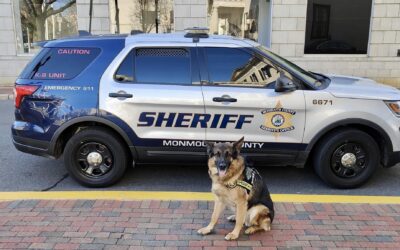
[98,119]
[347,122]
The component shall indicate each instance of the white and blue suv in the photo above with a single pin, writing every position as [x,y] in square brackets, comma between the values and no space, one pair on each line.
[105,102]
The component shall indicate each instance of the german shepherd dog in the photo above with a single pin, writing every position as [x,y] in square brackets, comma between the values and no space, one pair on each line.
[240,187]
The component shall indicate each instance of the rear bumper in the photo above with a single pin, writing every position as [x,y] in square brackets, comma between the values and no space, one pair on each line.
[32,146]
[26,136]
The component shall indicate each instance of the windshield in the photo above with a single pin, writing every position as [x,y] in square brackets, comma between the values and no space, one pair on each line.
[306,75]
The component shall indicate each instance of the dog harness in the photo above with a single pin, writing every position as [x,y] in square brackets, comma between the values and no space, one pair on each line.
[253,182]
[248,181]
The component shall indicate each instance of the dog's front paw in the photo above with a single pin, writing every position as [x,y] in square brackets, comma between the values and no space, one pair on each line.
[250,230]
[204,230]
[231,236]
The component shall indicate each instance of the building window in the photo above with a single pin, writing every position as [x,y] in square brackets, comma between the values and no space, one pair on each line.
[320,22]
[337,26]
[244,18]
[144,16]
[40,20]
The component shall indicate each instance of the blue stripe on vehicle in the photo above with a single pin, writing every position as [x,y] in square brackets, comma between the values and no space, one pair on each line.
[157,142]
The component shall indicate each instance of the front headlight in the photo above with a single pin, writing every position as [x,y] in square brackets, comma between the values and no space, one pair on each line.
[394,106]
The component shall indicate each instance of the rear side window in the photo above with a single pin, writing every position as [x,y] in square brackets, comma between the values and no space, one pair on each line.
[61,63]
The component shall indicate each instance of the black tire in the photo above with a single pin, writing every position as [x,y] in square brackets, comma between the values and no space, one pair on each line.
[330,162]
[114,157]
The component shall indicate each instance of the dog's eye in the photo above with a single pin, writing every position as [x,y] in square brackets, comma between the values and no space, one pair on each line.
[218,154]
[226,154]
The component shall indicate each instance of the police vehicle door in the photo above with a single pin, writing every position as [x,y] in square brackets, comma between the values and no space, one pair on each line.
[238,89]
[156,91]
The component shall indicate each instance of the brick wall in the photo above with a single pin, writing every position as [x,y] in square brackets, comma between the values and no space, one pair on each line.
[190,13]
[381,63]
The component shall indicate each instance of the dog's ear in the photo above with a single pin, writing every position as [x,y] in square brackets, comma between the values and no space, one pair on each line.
[210,148]
[237,146]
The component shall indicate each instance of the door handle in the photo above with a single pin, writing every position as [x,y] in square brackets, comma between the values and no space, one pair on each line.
[120,95]
[224,98]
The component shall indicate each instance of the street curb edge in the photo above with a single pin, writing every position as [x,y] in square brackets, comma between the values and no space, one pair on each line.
[4,97]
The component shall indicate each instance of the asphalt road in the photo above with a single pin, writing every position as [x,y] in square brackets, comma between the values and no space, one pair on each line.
[24,172]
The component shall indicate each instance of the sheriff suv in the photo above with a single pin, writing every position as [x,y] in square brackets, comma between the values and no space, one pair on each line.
[107,102]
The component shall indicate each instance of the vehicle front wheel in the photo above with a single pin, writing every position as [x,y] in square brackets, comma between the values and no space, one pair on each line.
[96,157]
[346,158]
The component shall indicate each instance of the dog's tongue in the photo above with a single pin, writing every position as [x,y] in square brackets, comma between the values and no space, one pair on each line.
[221,173]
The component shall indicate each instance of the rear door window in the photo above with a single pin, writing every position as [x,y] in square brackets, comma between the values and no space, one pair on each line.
[125,69]
[62,63]
[162,65]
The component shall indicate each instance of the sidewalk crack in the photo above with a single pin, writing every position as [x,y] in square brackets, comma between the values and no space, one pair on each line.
[55,184]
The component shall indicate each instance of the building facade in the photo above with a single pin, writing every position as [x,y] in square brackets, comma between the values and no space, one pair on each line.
[357,37]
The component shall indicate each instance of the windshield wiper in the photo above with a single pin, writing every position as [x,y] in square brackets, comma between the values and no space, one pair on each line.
[40,64]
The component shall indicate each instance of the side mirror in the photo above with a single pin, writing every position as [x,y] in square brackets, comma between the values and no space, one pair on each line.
[284,84]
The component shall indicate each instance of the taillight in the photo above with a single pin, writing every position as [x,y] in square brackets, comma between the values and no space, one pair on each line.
[23,90]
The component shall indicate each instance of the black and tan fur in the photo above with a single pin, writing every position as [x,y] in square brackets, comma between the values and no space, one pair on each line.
[254,208]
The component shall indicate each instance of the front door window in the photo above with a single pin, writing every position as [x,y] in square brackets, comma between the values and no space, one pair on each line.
[227,66]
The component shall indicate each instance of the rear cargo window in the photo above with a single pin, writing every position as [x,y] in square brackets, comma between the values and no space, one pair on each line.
[60,63]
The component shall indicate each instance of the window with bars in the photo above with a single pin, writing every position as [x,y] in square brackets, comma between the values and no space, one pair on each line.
[156,66]
[158,52]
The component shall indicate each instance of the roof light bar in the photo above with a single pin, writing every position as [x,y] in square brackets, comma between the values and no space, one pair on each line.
[196,33]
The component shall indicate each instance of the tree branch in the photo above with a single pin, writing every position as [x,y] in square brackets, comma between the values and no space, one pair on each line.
[48,3]
[31,7]
[53,12]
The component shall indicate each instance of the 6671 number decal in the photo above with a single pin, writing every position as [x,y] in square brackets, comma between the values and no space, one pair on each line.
[322,102]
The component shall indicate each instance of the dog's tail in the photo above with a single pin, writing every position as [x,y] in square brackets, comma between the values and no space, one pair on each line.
[271,214]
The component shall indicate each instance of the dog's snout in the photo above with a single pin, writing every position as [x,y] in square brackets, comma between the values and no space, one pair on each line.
[222,165]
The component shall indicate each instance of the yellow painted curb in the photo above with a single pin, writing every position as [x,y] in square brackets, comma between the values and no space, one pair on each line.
[187,196]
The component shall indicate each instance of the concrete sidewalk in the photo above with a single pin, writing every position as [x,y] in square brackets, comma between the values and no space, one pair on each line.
[6,93]
[111,224]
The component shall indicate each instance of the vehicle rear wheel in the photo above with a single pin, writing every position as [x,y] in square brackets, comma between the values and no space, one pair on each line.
[346,158]
[96,157]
